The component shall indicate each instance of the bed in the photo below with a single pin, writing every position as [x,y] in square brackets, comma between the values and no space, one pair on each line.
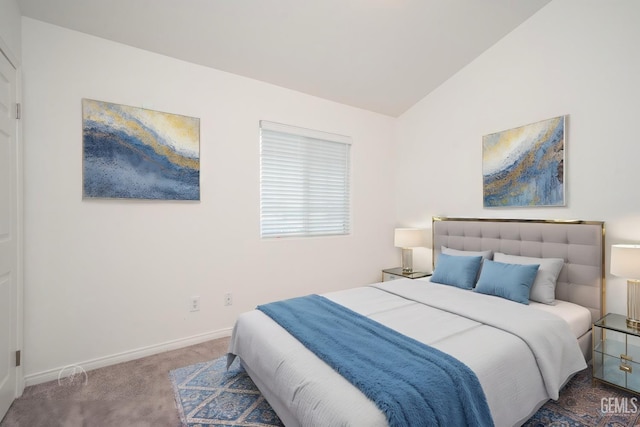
[478,330]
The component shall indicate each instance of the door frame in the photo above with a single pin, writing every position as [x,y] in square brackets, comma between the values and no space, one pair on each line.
[19,300]
[20,243]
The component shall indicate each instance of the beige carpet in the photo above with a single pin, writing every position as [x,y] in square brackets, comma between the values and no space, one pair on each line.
[136,393]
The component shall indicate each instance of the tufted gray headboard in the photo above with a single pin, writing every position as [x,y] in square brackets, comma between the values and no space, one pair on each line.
[580,243]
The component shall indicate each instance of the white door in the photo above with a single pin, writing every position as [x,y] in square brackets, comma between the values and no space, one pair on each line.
[8,234]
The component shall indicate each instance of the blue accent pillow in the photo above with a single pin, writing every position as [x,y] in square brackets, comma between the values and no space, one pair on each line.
[510,281]
[460,271]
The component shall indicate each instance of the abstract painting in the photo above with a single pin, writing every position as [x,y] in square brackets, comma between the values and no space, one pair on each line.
[524,166]
[135,153]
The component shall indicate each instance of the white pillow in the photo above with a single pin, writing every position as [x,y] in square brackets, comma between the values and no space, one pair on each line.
[544,287]
[455,252]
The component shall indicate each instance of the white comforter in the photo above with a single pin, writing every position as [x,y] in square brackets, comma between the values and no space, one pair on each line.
[517,374]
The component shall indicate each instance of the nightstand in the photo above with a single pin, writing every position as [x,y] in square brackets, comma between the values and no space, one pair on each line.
[396,273]
[616,352]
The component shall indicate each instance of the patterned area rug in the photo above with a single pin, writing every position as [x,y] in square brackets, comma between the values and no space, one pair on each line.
[208,395]
[583,403]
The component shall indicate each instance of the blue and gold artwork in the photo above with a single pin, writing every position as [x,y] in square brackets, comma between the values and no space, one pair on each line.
[135,153]
[524,166]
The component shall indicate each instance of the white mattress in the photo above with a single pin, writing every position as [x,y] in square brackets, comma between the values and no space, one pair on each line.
[307,392]
[578,317]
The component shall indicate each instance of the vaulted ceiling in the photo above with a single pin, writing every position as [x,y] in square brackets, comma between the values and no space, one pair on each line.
[380,55]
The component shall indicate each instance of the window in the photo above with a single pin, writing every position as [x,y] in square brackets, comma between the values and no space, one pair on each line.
[304,182]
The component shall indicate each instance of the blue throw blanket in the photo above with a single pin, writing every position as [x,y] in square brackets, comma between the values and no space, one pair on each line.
[412,383]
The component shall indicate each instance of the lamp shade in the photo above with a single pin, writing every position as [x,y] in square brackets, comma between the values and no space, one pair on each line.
[625,261]
[409,238]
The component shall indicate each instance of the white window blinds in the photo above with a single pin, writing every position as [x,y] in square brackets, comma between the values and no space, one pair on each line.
[304,182]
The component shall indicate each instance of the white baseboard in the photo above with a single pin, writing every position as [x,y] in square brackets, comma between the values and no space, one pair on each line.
[101,362]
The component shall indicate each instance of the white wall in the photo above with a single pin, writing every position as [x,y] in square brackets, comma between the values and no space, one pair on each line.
[10,31]
[105,277]
[575,57]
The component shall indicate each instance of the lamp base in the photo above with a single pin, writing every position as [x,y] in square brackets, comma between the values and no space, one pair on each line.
[633,304]
[407,260]
[633,323]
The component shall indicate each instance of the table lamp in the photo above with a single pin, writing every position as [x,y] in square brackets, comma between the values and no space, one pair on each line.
[407,239]
[625,262]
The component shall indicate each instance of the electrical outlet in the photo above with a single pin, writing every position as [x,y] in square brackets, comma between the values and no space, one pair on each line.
[194,303]
[227,299]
